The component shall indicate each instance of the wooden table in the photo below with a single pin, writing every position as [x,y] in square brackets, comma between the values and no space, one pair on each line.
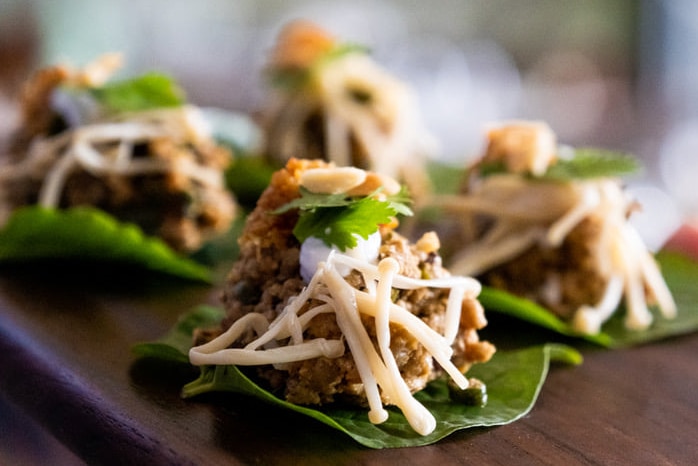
[65,339]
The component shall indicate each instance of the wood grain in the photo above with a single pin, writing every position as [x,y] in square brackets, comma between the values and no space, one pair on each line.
[66,361]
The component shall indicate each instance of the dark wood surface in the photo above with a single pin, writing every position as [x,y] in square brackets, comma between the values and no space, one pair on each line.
[66,337]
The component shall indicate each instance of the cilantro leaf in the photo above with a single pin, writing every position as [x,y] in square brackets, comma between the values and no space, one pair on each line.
[585,163]
[400,202]
[311,201]
[592,163]
[338,225]
[148,91]
[336,219]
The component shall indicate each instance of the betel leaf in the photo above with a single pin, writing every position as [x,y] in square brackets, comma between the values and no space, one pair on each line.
[337,219]
[86,233]
[145,92]
[174,346]
[502,302]
[681,275]
[513,381]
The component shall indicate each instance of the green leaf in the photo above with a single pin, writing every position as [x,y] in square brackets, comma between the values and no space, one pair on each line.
[337,219]
[342,50]
[148,91]
[513,381]
[174,346]
[590,163]
[681,275]
[337,226]
[87,233]
[310,201]
[294,79]
[500,301]
[585,163]
[445,178]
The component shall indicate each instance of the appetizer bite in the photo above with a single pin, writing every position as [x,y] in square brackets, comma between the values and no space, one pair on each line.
[550,223]
[329,100]
[131,148]
[334,306]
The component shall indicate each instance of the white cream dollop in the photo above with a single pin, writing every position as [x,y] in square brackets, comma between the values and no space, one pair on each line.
[314,251]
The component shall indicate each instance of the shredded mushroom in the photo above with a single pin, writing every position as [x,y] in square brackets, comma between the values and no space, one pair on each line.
[348,110]
[107,149]
[526,212]
[281,340]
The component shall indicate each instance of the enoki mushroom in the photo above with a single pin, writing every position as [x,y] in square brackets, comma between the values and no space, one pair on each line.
[281,340]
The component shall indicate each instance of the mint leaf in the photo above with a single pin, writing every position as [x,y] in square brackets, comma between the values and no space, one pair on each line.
[588,163]
[148,91]
[34,232]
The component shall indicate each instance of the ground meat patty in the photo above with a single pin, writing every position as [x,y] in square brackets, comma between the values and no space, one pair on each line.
[267,274]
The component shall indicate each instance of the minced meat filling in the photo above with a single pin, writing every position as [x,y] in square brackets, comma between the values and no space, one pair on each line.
[562,278]
[182,211]
[267,274]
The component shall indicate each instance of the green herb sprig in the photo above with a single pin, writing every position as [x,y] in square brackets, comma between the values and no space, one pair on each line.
[585,163]
[337,219]
[590,163]
[293,79]
[148,91]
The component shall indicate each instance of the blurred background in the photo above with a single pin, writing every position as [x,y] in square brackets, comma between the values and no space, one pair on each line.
[619,74]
